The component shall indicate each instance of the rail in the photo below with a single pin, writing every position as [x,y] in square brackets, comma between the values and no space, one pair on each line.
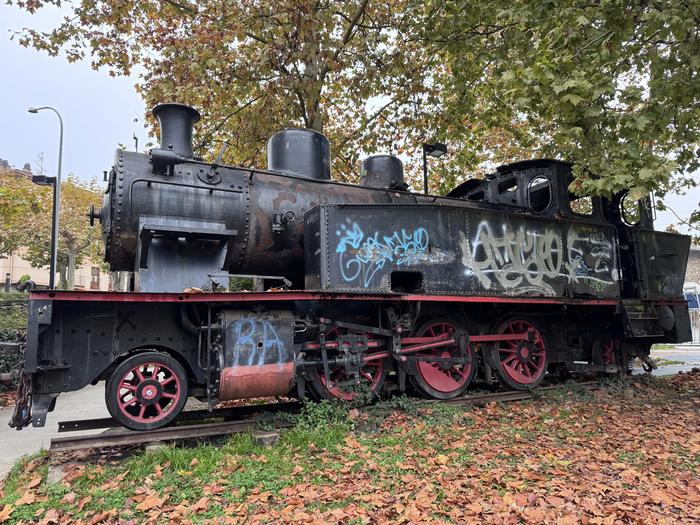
[241,421]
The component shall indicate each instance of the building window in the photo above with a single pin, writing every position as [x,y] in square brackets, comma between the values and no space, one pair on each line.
[94,278]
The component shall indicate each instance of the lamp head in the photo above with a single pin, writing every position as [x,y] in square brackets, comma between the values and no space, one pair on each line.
[435,150]
[33,110]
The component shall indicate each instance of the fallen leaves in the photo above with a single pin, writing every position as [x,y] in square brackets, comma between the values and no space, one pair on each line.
[26,499]
[6,512]
[151,501]
[612,461]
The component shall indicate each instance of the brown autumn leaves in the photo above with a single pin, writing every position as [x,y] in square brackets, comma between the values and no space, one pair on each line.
[602,459]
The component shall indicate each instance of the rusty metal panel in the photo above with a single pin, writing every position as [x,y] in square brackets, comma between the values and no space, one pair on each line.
[661,261]
[258,354]
[454,250]
[592,265]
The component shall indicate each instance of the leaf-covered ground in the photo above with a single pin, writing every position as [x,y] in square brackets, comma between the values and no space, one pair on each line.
[613,456]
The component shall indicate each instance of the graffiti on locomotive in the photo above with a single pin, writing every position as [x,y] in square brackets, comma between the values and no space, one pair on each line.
[591,259]
[529,259]
[522,259]
[365,254]
[256,343]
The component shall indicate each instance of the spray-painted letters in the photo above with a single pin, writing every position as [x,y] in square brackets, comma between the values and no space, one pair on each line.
[520,260]
[591,259]
[529,259]
[256,343]
[361,256]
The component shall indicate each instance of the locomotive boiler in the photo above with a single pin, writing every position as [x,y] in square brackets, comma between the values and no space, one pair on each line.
[377,289]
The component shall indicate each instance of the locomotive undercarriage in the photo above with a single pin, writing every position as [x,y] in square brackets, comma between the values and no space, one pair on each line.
[153,355]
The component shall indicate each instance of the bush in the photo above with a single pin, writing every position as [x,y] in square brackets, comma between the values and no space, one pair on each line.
[13,329]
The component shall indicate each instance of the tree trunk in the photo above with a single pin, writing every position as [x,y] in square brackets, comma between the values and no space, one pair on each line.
[71,270]
[312,72]
[62,278]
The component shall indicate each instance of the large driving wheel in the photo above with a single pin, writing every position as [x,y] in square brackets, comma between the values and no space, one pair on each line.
[146,391]
[521,365]
[372,376]
[441,379]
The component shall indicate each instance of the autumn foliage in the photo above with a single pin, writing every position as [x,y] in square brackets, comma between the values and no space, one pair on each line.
[26,218]
[613,86]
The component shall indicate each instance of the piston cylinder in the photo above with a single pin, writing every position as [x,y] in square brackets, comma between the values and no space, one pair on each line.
[258,354]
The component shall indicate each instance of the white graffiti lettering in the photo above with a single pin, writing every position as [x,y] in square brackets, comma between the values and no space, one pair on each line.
[519,260]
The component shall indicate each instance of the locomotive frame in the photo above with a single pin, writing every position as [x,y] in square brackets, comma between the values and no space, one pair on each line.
[501,280]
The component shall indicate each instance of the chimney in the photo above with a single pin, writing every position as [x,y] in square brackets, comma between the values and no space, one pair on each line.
[176,125]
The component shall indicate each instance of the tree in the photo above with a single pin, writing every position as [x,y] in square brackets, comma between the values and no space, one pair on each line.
[26,224]
[613,86]
[349,69]
[20,201]
[77,241]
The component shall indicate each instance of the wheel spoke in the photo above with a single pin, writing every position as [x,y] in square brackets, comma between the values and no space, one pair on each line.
[168,395]
[137,372]
[167,380]
[510,359]
[458,371]
[142,411]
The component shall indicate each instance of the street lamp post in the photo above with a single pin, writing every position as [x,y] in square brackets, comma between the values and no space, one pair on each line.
[56,197]
[433,150]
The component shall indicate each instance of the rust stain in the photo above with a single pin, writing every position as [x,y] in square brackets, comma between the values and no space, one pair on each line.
[240,382]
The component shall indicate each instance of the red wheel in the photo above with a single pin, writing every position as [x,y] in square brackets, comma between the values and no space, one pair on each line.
[147,391]
[441,379]
[520,364]
[372,376]
[606,351]
[609,351]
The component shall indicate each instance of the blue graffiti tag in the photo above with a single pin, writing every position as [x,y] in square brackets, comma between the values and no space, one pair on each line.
[247,334]
[366,255]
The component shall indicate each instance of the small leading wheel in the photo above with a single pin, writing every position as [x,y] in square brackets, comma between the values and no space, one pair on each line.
[521,365]
[441,379]
[372,376]
[606,351]
[146,391]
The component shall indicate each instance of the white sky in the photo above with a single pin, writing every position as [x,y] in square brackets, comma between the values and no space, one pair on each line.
[98,110]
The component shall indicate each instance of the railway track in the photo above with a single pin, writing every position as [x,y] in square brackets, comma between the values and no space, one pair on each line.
[193,425]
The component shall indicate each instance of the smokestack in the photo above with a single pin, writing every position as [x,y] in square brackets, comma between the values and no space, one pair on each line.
[176,125]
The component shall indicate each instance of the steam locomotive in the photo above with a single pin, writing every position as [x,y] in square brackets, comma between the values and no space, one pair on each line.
[370,287]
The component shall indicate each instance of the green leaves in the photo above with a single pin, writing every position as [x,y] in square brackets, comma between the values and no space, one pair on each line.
[607,86]
[611,86]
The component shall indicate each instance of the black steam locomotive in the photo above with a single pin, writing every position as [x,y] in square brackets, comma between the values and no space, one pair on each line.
[373,287]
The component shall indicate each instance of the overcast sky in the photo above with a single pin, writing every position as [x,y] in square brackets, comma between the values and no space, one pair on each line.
[98,110]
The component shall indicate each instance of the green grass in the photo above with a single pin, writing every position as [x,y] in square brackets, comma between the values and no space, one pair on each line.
[327,439]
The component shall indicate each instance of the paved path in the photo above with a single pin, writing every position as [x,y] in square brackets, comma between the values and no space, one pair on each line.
[688,356]
[87,403]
